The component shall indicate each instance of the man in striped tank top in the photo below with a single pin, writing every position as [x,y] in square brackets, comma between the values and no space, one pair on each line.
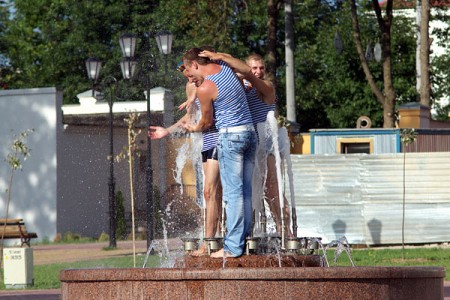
[260,107]
[261,99]
[222,96]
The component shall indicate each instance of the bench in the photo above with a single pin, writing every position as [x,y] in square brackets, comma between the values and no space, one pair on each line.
[15,229]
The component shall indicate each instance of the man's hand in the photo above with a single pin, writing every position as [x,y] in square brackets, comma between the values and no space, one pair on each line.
[156,132]
[190,127]
[186,104]
[211,55]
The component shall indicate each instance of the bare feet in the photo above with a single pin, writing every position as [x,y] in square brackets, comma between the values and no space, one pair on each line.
[221,254]
[202,250]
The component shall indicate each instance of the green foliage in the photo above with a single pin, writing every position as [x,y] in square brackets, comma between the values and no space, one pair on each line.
[46,42]
[440,77]
[19,150]
[408,136]
[70,237]
[331,88]
[104,237]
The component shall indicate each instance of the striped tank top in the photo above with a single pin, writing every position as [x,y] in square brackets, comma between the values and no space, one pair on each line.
[230,107]
[210,135]
[258,108]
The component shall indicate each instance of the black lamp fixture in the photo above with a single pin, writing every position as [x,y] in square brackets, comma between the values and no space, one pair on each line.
[164,40]
[93,66]
[128,44]
[128,65]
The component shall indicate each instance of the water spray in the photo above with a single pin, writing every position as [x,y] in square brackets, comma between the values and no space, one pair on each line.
[285,149]
[273,126]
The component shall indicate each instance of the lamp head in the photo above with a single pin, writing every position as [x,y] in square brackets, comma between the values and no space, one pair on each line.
[128,44]
[93,66]
[164,40]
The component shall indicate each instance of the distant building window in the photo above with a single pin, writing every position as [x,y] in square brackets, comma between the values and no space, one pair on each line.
[355,145]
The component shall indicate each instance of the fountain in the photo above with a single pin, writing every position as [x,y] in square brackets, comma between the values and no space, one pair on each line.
[272,267]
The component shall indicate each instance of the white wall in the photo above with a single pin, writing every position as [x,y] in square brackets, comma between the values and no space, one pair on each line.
[83,167]
[34,188]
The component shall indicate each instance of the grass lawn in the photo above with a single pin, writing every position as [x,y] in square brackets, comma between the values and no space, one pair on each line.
[47,276]
[416,256]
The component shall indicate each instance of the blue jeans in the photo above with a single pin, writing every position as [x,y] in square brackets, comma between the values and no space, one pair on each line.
[236,161]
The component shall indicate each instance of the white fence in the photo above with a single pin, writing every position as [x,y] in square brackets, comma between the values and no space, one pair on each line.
[364,197]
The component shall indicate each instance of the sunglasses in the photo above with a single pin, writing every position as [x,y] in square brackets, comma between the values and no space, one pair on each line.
[181,67]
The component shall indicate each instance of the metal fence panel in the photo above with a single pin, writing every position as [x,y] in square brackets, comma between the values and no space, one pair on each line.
[361,196]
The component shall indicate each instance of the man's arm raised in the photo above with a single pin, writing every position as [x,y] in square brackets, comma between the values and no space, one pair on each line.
[265,88]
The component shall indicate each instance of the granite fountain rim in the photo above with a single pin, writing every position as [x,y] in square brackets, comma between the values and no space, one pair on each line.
[284,273]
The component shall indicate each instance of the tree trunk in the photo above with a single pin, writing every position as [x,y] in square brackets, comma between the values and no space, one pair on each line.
[289,54]
[425,87]
[273,11]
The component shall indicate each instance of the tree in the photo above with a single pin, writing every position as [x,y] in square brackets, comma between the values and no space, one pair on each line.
[331,90]
[386,97]
[47,41]
[19,153]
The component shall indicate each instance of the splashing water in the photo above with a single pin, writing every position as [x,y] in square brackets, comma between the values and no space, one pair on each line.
[278,256]
[190,150]
[341,245]
[284,142]
[224,261]
[273,127]
[181,160]
[258,184]
[155,246]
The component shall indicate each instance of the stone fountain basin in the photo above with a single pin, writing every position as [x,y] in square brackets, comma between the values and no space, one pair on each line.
[395,283]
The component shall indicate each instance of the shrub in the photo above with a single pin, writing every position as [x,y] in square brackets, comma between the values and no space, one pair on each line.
[58,238]
[70,237]
[104,237]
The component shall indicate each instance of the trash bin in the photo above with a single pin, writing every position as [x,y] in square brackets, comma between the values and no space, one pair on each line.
[18,267]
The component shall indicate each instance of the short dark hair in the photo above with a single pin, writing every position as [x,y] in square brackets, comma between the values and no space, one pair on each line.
[192,55]
[208,48]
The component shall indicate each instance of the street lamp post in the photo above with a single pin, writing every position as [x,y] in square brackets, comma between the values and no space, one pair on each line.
[128,66]
[93,67]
